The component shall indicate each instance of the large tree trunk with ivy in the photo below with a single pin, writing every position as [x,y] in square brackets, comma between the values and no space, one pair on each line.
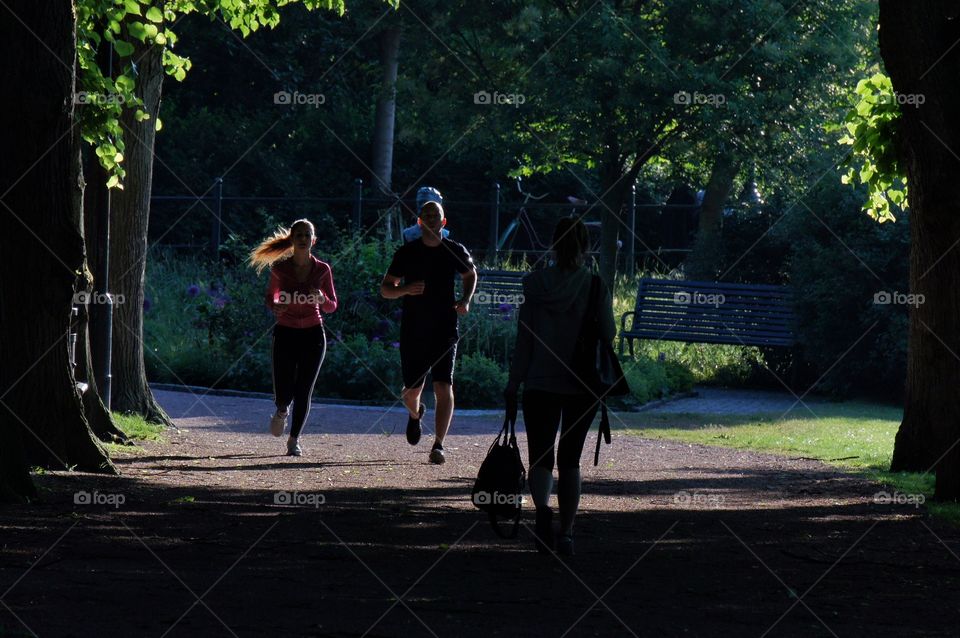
[129,219]
[918,48]
[41,415]
[706,259]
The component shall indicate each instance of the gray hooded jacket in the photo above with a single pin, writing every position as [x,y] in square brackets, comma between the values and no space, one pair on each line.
[555,302]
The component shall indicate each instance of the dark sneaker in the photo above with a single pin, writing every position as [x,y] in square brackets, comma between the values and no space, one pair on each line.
[436,455]
[565,545]
[413,427]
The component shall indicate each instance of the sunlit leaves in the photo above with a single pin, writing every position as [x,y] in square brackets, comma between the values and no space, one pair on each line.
[871,130]
[129,24]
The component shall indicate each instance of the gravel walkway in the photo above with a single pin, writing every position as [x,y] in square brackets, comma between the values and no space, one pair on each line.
[673,540]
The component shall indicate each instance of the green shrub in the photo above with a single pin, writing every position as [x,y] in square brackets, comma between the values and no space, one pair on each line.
[356,368]
[479,382]
[206,325]
[837,266]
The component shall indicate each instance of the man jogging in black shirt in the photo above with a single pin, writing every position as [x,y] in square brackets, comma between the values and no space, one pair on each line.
[423,273]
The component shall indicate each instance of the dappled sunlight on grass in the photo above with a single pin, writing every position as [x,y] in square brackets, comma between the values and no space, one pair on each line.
[854,436]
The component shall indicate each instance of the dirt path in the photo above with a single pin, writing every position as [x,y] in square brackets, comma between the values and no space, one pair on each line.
[673,540]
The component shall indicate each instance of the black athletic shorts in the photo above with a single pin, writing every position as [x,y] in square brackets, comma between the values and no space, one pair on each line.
[417,358]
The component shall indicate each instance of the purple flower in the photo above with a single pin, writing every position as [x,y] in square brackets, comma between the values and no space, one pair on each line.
[505,308]
[147,304]
[193,290]
[396,314]
[395,344]
[376,339]
[220,302]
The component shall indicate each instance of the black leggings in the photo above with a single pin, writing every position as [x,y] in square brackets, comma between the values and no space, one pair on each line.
[543,413]
[297,356]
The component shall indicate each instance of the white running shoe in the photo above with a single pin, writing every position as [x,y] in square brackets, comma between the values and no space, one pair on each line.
[293,447]
[278,423]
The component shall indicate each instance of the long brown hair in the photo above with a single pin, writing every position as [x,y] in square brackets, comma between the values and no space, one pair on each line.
[277,246]
[570,243]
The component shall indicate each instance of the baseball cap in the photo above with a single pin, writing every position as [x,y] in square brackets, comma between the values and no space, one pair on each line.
[428,194]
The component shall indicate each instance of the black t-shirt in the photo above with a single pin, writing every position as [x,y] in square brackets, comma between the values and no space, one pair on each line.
[432,312]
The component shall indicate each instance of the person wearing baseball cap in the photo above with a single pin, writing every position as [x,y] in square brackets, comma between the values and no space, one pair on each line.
[424,194]
[423,273]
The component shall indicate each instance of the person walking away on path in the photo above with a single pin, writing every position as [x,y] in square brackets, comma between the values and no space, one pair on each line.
[300,289]
[555,303]
[423,273]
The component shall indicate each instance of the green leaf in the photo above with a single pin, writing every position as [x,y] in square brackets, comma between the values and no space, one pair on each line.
[137,30]
[158,125]
[123,48]
[125,83]
[113,182]
[132,6]
[154,15]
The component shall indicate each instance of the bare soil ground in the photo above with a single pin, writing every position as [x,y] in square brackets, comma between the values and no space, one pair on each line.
[672,540]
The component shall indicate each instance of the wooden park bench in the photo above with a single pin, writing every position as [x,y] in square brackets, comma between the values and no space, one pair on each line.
[499,288]
[710,312]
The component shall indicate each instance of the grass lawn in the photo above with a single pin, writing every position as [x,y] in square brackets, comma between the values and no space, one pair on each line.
[854,436]
[137,429]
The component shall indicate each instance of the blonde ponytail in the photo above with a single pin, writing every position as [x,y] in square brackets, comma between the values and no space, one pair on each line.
[276,247]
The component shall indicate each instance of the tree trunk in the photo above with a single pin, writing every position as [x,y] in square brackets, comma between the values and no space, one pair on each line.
[916,47]
[706,259]
[386,109]
[41,415]
[95,195]
[97,414]
[613,188]
[383,129]
[128,244]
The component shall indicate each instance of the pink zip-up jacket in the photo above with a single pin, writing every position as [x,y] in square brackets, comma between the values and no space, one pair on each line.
[284,288]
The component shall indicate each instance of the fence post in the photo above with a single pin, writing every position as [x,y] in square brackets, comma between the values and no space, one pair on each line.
[631,241]
[357,203]
[215,229]
[494,219]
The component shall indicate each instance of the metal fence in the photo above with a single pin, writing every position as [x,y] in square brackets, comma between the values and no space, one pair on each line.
[492,228]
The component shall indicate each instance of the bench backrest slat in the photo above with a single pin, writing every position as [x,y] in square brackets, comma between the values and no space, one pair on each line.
[713,312]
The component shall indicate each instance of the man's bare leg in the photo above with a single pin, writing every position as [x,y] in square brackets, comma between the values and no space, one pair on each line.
[444,394]
[411,399]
